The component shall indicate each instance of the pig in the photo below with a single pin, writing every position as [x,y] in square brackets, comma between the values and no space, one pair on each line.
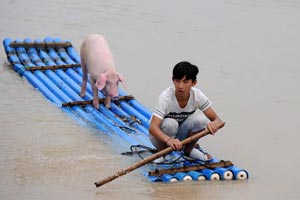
[98,61]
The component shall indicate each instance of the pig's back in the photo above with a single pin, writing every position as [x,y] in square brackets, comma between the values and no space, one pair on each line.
[96,54]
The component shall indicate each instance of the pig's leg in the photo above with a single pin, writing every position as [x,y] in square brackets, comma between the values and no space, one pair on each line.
[107,101]
[84,78]
[95,94]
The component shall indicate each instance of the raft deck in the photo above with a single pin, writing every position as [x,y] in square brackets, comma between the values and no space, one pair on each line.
[53,67]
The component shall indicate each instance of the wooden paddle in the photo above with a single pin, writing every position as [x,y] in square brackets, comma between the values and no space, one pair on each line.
[154,156]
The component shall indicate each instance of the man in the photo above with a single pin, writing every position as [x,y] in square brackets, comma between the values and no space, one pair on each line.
[182,110]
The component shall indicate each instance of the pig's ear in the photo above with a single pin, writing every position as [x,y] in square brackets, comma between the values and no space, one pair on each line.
[100,83]
[122,80]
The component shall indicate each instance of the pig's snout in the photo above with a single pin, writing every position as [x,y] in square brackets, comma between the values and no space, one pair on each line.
[112,89]
[111,92]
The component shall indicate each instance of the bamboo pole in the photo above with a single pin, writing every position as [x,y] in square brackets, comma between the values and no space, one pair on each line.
[153,157]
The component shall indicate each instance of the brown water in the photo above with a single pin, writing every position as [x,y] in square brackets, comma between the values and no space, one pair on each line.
[248,54]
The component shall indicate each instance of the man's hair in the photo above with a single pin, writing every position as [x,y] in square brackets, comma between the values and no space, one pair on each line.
[185,69]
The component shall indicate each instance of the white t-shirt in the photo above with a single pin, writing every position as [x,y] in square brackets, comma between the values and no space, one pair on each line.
[167,106]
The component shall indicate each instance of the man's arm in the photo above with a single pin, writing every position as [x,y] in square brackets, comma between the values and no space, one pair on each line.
[214,120]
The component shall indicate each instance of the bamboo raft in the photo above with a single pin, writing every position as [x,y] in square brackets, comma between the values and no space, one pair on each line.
[53,67]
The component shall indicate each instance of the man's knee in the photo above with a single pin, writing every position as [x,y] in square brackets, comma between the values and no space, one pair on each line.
[196,122]
[169,126]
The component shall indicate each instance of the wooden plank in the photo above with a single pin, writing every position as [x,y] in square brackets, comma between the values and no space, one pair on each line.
[53,67]
[159,172]
[40,44]
[90,102]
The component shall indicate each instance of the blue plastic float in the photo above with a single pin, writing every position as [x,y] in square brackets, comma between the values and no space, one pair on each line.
[126,121]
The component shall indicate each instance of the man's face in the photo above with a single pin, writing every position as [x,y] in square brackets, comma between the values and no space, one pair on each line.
[183,86]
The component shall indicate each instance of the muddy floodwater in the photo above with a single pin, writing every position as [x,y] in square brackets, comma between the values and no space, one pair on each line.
[248,53]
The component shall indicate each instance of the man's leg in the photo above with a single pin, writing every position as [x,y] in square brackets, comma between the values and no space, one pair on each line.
[192,125]
[170,127]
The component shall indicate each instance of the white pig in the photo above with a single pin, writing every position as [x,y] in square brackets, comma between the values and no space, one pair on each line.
[97,60]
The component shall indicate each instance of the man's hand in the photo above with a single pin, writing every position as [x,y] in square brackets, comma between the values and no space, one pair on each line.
[174,143]
[213,127]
